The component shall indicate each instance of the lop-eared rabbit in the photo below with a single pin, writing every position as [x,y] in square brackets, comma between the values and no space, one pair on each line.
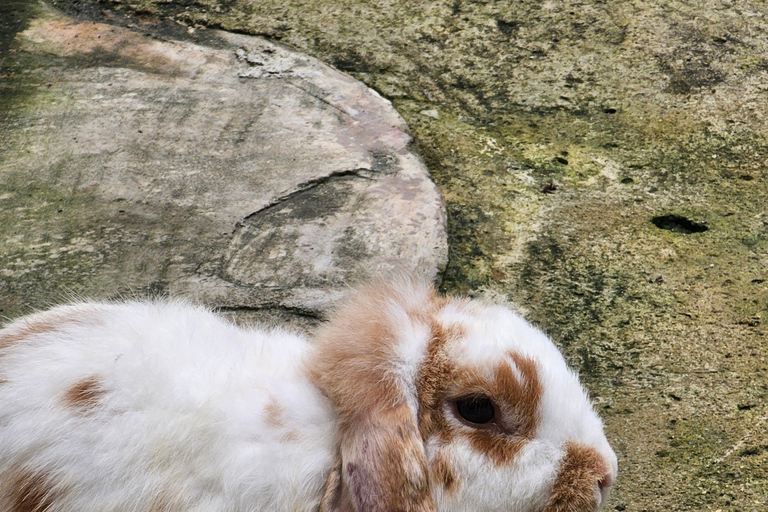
[406,401]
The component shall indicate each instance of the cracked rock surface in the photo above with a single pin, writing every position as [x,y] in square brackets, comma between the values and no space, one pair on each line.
[233,171]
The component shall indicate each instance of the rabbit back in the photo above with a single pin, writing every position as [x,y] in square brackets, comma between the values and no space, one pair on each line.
[157,406]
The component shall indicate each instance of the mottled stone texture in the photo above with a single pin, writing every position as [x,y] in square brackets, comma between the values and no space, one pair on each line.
[236,172]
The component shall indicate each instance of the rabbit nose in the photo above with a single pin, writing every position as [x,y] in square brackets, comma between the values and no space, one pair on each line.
[604,473]
[605,482]
[606,478]
[583,479]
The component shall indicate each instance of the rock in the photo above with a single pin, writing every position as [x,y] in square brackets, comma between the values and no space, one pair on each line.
[237,172]
[433,113]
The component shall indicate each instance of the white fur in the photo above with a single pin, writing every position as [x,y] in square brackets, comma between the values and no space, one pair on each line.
[183,414]
[487,487]
[565,413]
[413,338]
[187,415]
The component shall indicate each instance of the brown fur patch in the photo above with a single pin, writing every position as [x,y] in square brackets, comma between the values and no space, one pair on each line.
[274,416]
[443,473]
[159,504]
[84,395]
[332,493]
[433,376]
[42,323]
[353,353]
[30,492]
[30,329]
[384,466]
[576,486]
[273,413]
[164,502]
[518,399]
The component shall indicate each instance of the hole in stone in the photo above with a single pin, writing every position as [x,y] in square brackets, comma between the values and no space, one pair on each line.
[626,181]
[507,27]
[609,110]
[678,224]
[748,452]
[561,160]
[550,187]
[746,177]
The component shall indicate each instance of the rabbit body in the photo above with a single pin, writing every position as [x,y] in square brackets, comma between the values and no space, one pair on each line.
[406,401]
[155,407]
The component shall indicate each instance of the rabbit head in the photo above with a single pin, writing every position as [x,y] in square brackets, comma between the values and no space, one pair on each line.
[454,405]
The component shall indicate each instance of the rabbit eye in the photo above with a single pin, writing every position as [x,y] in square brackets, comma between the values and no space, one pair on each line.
[476,409]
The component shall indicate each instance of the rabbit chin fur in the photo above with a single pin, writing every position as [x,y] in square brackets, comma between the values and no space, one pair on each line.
[163,406]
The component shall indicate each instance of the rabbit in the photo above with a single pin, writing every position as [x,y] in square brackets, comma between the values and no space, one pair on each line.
[404,401]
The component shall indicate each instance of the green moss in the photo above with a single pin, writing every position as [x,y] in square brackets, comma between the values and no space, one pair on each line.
[14,64]
[16,17]
[94,251]
[28,216]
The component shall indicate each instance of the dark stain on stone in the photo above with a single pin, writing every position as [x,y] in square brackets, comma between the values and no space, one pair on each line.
[15,86]
[350,250]
[279,225]
[678,224]
[14,18]
[507,27]
[464,245]
[354,61]
[383,162]
[550,188]
[752,450]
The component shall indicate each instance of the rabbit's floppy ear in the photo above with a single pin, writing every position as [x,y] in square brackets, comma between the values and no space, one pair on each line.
[367,361]
[381,468]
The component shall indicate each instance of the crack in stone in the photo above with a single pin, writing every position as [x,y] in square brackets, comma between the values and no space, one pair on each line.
[266,308]
[308,90]
[361,172]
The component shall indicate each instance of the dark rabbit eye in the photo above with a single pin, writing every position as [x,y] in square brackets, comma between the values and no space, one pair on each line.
[477,410]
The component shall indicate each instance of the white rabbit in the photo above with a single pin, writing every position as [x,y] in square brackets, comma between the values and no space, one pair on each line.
[406,401]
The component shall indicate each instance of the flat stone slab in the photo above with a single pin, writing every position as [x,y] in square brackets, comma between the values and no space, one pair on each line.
[237,172]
